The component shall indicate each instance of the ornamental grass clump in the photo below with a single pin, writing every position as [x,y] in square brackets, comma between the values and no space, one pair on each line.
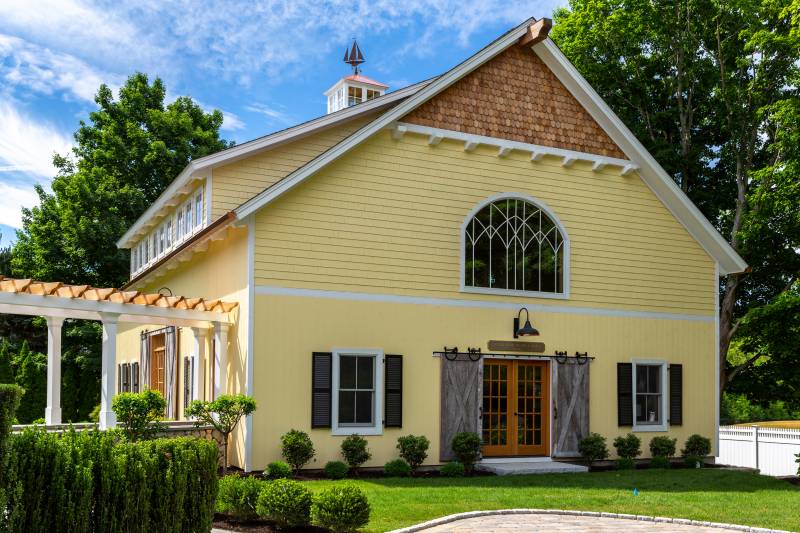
[341,508]
[238,496]
[628,449]
[286,502]
[355,452]
[414,449]
[297,449]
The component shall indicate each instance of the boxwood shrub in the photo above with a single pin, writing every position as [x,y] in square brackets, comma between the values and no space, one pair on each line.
[238,496]
[278,470]
[336,469]
[452,469]
[96,482]
[397,468]
[341,508]
[695,450]
[286,502]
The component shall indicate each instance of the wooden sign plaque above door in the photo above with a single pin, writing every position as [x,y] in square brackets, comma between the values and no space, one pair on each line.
[516,346]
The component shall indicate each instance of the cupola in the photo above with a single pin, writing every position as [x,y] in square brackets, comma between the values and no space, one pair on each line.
[355,88]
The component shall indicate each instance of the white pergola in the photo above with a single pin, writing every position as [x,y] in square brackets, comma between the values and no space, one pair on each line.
[57,302]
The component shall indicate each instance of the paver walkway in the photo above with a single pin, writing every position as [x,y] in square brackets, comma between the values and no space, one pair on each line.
[522,521]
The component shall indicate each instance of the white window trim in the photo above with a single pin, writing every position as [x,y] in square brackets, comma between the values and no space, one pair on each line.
[509,292]
[664,425]
[377,427]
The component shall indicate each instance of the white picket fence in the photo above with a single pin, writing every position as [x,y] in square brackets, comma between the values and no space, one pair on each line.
[771,450]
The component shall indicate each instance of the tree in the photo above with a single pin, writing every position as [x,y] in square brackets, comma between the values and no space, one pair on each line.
[125,155]
[223,414]
[710,87]
[139,413]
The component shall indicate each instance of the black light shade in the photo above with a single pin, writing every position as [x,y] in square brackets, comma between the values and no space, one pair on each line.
[527,330]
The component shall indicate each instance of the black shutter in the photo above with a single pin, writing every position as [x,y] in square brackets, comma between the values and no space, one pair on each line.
[135,376]
[126,377]
[393,393]
[321,389]
[675,395]
[119,378]
[624,394]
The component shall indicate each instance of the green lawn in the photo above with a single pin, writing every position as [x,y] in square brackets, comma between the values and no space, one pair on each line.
[710,494]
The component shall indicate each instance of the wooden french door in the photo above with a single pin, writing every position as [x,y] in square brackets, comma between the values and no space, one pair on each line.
[516,415]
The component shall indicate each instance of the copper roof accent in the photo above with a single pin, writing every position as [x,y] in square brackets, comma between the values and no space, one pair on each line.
[106,294]
[364,79]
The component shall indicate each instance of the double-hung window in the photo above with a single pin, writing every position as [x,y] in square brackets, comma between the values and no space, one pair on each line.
[357,392]
[198,209]
[649,393]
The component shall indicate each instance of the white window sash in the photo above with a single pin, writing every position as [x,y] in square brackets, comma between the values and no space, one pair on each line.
[662,425]
[377,387]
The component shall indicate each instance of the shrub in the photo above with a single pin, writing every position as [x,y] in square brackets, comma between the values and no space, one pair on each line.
[355,452]
[625,463]
[223,414]
[297,448]
[452,469]
[96,481]
[397,468]
[662,446]
[593,448]
[286,502]
[9,401]
[659,461]
[139,413]
[414,450]
[629,446]
[695,451]
[278,470]
[467,448]
[238,496]
[336,469]
[696,446]
[341,508]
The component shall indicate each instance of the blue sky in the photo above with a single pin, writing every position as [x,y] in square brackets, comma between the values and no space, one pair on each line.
[265,65]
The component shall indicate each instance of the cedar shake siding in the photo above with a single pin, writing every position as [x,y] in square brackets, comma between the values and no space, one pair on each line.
[516,97]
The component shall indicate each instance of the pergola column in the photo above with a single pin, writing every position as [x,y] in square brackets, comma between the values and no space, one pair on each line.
[108,419]
[220,358]
[52,413]
[198,377]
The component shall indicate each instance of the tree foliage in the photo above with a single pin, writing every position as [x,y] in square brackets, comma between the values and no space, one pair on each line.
[710,87]
[125,154]
[223,414]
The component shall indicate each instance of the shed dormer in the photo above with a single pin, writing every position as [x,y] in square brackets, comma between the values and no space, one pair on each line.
[355,88]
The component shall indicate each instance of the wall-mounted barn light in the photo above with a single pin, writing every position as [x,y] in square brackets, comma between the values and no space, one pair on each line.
[527,330]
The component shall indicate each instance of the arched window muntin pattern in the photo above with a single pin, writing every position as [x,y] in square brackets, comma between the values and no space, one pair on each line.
[514,244]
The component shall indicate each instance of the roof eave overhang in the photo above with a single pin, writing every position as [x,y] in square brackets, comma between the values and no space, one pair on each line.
[189,173]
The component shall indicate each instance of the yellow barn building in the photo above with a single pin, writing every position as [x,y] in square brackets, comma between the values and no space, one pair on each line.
[490,250]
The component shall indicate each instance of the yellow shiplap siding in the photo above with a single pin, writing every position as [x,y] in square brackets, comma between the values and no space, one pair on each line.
[234,184]
[386,218]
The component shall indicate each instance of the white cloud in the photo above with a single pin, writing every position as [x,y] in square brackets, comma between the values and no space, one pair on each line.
[27,146]
[12,199]
[274,115]
[231,122]
[45,71]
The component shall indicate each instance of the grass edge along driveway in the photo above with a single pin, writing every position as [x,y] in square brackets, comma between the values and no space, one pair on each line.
[709,494]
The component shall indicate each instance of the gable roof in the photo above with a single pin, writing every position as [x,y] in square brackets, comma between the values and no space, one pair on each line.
[650,171]
[184,180]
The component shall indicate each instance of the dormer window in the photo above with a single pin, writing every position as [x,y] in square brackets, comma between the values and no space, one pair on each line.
[198,209]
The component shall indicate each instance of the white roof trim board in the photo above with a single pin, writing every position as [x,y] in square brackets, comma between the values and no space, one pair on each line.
[650,171]
[185,179]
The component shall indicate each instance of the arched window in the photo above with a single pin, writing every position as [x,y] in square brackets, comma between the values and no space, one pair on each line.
[511,244]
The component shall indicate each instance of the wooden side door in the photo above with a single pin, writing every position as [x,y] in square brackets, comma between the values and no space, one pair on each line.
[158,352]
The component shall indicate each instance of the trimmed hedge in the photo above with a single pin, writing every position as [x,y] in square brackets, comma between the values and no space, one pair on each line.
[9,401]
[238,496]
[342,508]
[96,482]
[286,502]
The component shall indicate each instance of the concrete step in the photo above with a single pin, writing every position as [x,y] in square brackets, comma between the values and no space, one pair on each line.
[517,467]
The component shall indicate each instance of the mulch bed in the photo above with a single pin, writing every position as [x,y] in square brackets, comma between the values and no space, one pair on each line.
[258,526]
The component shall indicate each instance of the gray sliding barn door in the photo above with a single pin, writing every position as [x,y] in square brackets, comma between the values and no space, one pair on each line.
[571,401]
[461,401]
